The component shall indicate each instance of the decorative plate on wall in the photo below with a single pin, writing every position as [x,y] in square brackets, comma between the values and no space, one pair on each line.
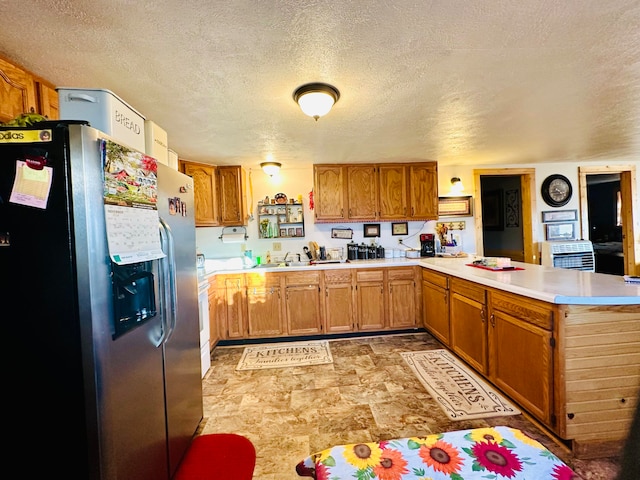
[280,198]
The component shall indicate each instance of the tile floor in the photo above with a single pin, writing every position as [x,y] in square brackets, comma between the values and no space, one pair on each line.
[367,394]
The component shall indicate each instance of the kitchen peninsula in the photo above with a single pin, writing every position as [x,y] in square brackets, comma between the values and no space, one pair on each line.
[563,344]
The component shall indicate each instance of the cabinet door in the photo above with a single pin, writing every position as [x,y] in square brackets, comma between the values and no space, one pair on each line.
[231,194]
[214,308]
[17,91]
[264,310]
[329,192]
[205,193]
[402,297]
[235,295]
[48,103]
[521,363]
[469,330]
[423,187]
[370,300]
[393,191]
[435,310]
[338,301]
[303,309]
[362,192]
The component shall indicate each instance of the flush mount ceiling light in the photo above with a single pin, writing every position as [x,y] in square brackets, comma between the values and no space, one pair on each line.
[270,168]
[456,185]
[316,99]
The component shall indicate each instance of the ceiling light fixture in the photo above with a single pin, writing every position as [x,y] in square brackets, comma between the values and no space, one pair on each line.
[456,185]
[270,168]
[316,99]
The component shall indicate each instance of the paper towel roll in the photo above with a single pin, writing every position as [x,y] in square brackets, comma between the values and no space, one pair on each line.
[233,238]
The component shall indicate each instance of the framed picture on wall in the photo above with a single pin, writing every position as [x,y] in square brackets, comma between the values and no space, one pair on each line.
[454,206]
[492,210]
[371,229]
[561,231]
[401,228]
[559,216]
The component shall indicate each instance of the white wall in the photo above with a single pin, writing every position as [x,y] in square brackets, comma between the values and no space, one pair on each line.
[299,181]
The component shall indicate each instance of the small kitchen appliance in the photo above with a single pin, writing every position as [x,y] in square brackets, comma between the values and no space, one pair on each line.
[427,245]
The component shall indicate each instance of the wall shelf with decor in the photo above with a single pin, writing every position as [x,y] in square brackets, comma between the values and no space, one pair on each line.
[281,220]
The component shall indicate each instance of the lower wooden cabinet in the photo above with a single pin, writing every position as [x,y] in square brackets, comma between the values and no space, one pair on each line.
[521,352]
[214,329]
[435,304]
[264,305]
[370,299]
[302,303]
[469,323]
[312,302]
[338,301]
[229,305]
[403,297]
[507,338]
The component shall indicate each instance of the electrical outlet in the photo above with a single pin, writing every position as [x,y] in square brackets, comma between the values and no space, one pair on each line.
[277,246]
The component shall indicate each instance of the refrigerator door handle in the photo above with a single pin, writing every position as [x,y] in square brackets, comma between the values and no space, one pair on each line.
[168,295]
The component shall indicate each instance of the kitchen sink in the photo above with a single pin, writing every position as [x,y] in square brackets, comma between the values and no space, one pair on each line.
[282,265]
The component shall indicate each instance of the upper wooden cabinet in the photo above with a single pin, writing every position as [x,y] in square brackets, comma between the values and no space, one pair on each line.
[423,191]
[329,192]
[362,192]
[233,202]
[205,189]
[394,192]
[219,191]
[369,192]
[23,92]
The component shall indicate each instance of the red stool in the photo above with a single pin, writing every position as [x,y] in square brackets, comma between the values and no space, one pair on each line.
[218,456]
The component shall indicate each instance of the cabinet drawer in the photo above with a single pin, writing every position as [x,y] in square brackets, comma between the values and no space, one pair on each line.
[468,289]
[302,278]
[435,278]
[406,273]
[268,279]
[527,309]
[369,276]
[337,276]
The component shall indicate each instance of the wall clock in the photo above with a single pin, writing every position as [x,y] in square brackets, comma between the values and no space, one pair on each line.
[556,190]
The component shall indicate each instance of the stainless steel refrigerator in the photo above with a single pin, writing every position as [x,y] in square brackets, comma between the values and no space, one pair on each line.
[103,379]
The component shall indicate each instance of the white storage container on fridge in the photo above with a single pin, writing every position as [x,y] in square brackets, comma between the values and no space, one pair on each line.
[156,142]
[105,111]
[172,159]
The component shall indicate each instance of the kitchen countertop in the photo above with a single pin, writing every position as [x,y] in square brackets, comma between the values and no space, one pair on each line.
[553,285]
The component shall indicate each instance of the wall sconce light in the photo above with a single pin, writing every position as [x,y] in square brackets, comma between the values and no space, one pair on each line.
[316,99]
[456,185]
[270,168]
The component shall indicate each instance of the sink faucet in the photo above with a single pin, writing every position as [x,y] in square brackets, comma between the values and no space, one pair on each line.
[287,256]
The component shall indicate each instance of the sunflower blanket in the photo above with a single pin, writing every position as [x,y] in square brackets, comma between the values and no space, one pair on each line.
[480,453]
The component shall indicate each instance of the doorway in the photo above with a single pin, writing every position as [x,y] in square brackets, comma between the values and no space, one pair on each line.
[500,186]
[615,247]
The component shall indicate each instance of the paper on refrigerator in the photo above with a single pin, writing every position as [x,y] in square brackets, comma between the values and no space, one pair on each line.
[130,204]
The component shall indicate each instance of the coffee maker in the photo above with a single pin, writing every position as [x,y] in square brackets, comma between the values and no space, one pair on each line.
[427,245]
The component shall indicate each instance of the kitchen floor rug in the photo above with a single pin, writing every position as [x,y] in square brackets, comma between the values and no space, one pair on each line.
[458,391]
[279,355]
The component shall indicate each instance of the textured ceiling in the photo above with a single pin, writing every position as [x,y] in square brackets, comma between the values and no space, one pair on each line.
[463,82]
